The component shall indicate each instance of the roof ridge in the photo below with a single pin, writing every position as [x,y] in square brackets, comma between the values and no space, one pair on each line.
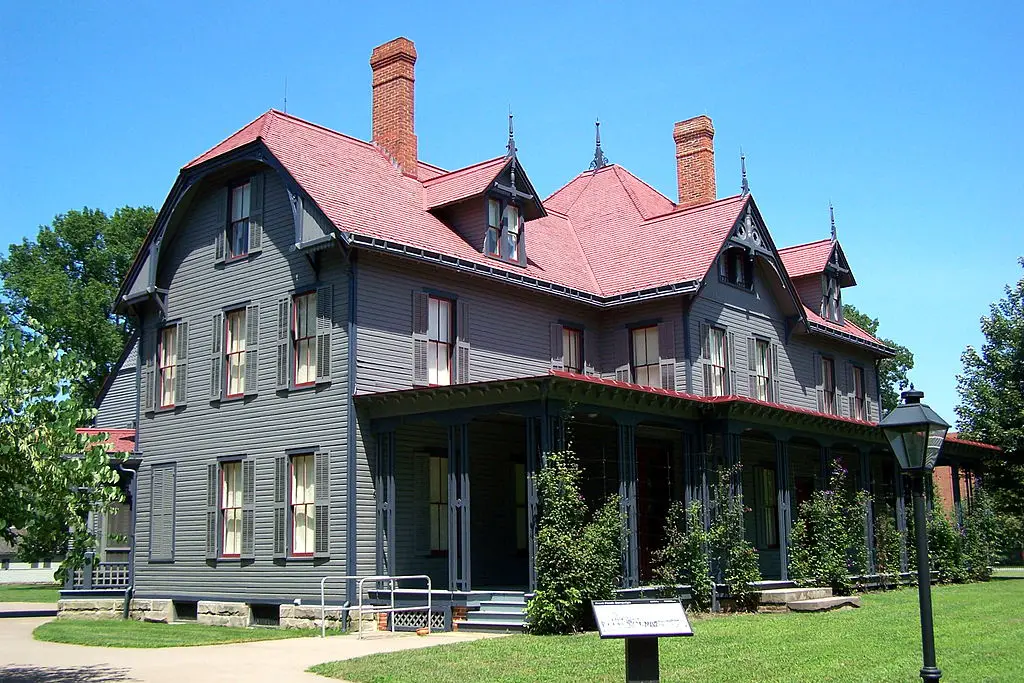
[196,158]
[804,245]
[583,191]
[310,124]
[446,174]
[629,192]
[586,258]
[567,184]
[693,209]
[643,182]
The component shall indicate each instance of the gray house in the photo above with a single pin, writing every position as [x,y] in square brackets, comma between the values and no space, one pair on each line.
[352,361]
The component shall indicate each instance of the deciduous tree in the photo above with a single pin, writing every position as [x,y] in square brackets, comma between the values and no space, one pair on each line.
[892,372]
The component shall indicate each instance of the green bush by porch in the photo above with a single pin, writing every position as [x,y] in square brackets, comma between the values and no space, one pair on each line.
[122,633]
[978,632]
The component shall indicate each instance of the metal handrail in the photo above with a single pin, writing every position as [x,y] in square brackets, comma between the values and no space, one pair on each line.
[373,609]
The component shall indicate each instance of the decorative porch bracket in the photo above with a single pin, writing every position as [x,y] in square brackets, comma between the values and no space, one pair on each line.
[385,485]
[458,508]
[901,510]
[627,504]
[784,494]
[869,514]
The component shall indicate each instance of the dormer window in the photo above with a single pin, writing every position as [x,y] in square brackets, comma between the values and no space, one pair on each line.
[831,304]
[510,222]
[735,268]
[493,227]
[504,231]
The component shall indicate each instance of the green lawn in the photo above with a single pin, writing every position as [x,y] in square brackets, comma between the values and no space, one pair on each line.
[119,633]
[29,592]
[979,629]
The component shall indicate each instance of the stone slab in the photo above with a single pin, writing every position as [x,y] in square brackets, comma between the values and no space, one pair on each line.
[825,604]
[783,596]
[214,613]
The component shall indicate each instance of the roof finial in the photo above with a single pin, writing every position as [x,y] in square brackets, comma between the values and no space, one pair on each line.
[511,147]
[832,219]
[744,187]
[600,160]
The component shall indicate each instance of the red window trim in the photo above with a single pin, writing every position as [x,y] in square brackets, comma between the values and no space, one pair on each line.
[161,366]
[220,504]
[291,505]
[449,345]
[228,354]
[296,339]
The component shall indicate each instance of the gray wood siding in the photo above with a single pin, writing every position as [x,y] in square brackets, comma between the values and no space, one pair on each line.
[808,288]
[259,427]
[117,409]
[468,219]
[614,334]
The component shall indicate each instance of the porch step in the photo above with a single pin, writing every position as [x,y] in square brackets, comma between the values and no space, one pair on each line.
[824,604]
[504,612]
[784,596]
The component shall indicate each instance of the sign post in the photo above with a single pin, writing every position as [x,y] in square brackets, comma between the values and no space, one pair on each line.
[641,623]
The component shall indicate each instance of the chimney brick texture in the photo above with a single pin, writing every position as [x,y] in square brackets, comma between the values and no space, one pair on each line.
[695,161]
[393,65]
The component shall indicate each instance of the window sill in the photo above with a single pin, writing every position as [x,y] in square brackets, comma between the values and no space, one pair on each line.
[305,387]
[229,399]
[734,285]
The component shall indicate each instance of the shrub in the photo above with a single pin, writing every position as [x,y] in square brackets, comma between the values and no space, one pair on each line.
[685,558]
[732,555]
[945,548]
[888,545]
[578,554]
[979,535]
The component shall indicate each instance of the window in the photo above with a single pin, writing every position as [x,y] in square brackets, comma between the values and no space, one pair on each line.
[238,228]
[828,373]
[168,355]
[762,369]
[646,366]
[831,307]
[860,408]
[736,269]
[718,361]
[504,230]
[439,341]
[493,227]
[519,472]
[235,345]
[231,508]
[304,335]
[572,349]
[303,506]
[438,505]
[511,220]
[117,531]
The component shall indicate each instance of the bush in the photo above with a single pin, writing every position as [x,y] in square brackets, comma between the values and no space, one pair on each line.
[888,545]
[685,559]
[732,555]
[578,554]
[979,537]
[945,548]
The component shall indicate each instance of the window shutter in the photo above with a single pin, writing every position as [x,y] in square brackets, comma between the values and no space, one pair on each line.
[161,516]
[280,506]
[181,369]
[521,256]
[462,348]
[752,366]
[420,312]
[252,349]
[284,346]
[776,380]
[821,400]
[220,241]
[217,357]
[322,500]
[248,509]
[557,352]
[623,371]
[705,341]
[149,374]
[733,388]
[816,362]
[324,326]
[255,220]
[212,511]
[871,396]
[667,353]
[589,353]
[706,373]
[853,406]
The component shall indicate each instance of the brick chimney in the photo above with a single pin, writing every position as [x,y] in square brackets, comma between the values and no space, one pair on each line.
[695,161]
[393,96]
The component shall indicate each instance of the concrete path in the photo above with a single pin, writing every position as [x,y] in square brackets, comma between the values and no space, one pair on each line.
[26,660]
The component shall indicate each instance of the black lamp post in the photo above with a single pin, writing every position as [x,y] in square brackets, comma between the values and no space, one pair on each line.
[916,434]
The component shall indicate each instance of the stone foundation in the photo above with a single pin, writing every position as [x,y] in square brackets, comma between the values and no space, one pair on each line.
[214,613]
[100,608]
[157,611]
[308,617]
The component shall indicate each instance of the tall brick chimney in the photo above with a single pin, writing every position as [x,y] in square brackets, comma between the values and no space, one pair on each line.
[393,97]
[695,161]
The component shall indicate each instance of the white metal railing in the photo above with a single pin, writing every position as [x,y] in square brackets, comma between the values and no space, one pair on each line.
[392,582]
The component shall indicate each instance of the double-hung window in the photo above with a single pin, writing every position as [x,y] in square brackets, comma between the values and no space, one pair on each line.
[168,356]
[572,349]
[504,231]
[646,361]
[438,511]
[231,508]
[718,361]
[763,369]
[831,307]
[860,410]
[235,352]
[493,227]
[511,215]
[828,374]
[304,339]
[439,341]
[303,506]
[238,228]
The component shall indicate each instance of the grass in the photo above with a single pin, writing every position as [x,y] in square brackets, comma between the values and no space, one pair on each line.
[119,633]
[29,592]
[979,628]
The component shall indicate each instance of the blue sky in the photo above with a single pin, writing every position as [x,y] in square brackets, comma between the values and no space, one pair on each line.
[907,118]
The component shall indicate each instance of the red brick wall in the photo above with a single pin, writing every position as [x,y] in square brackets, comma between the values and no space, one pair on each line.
[695,161]
[393,65]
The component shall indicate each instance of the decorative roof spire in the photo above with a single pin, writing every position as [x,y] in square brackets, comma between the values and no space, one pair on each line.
[744,187]
[600,160]
[832,219]
[511,147]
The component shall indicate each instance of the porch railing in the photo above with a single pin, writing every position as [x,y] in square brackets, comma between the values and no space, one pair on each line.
[100,576]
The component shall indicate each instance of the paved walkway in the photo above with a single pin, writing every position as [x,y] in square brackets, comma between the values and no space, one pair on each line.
[26,660]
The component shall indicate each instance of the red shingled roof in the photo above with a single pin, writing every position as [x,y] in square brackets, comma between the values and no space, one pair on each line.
[118,440]
[847,327]
[806,259]
[463,183]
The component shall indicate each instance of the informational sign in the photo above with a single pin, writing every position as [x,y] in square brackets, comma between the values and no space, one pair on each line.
[641,618]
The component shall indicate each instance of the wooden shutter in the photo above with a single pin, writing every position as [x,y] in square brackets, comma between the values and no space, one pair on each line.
[871,396]
[149,383]
[280,506]
[731,374]
[322,501]
[705,354]
[324,326]
[181,368]
[462,348]
[212,511]
[667,354]
[252,349]
[161,513]
[420,322]
[284,346]
[220,240]
[255,218]
[248,509]
[589,353]
[557,352]
[776,396]
[752,366]
[217,357]
[623,369]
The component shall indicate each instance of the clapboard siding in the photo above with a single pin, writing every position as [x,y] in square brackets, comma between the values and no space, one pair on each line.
[469,220]
[614,334]
[808,288]
[260,427]
[117,409]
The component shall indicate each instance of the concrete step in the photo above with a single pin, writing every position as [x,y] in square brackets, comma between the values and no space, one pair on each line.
[497,606]
[491,625]
[495,615]
[784,596]
[824,604]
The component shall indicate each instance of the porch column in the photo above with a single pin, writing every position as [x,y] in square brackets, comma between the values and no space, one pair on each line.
[869,513]
[458,508]
[954,470]
[552,434]
[385,486]
[901,512]
[784,494]
[627,503]
[691,483]
[533,457]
